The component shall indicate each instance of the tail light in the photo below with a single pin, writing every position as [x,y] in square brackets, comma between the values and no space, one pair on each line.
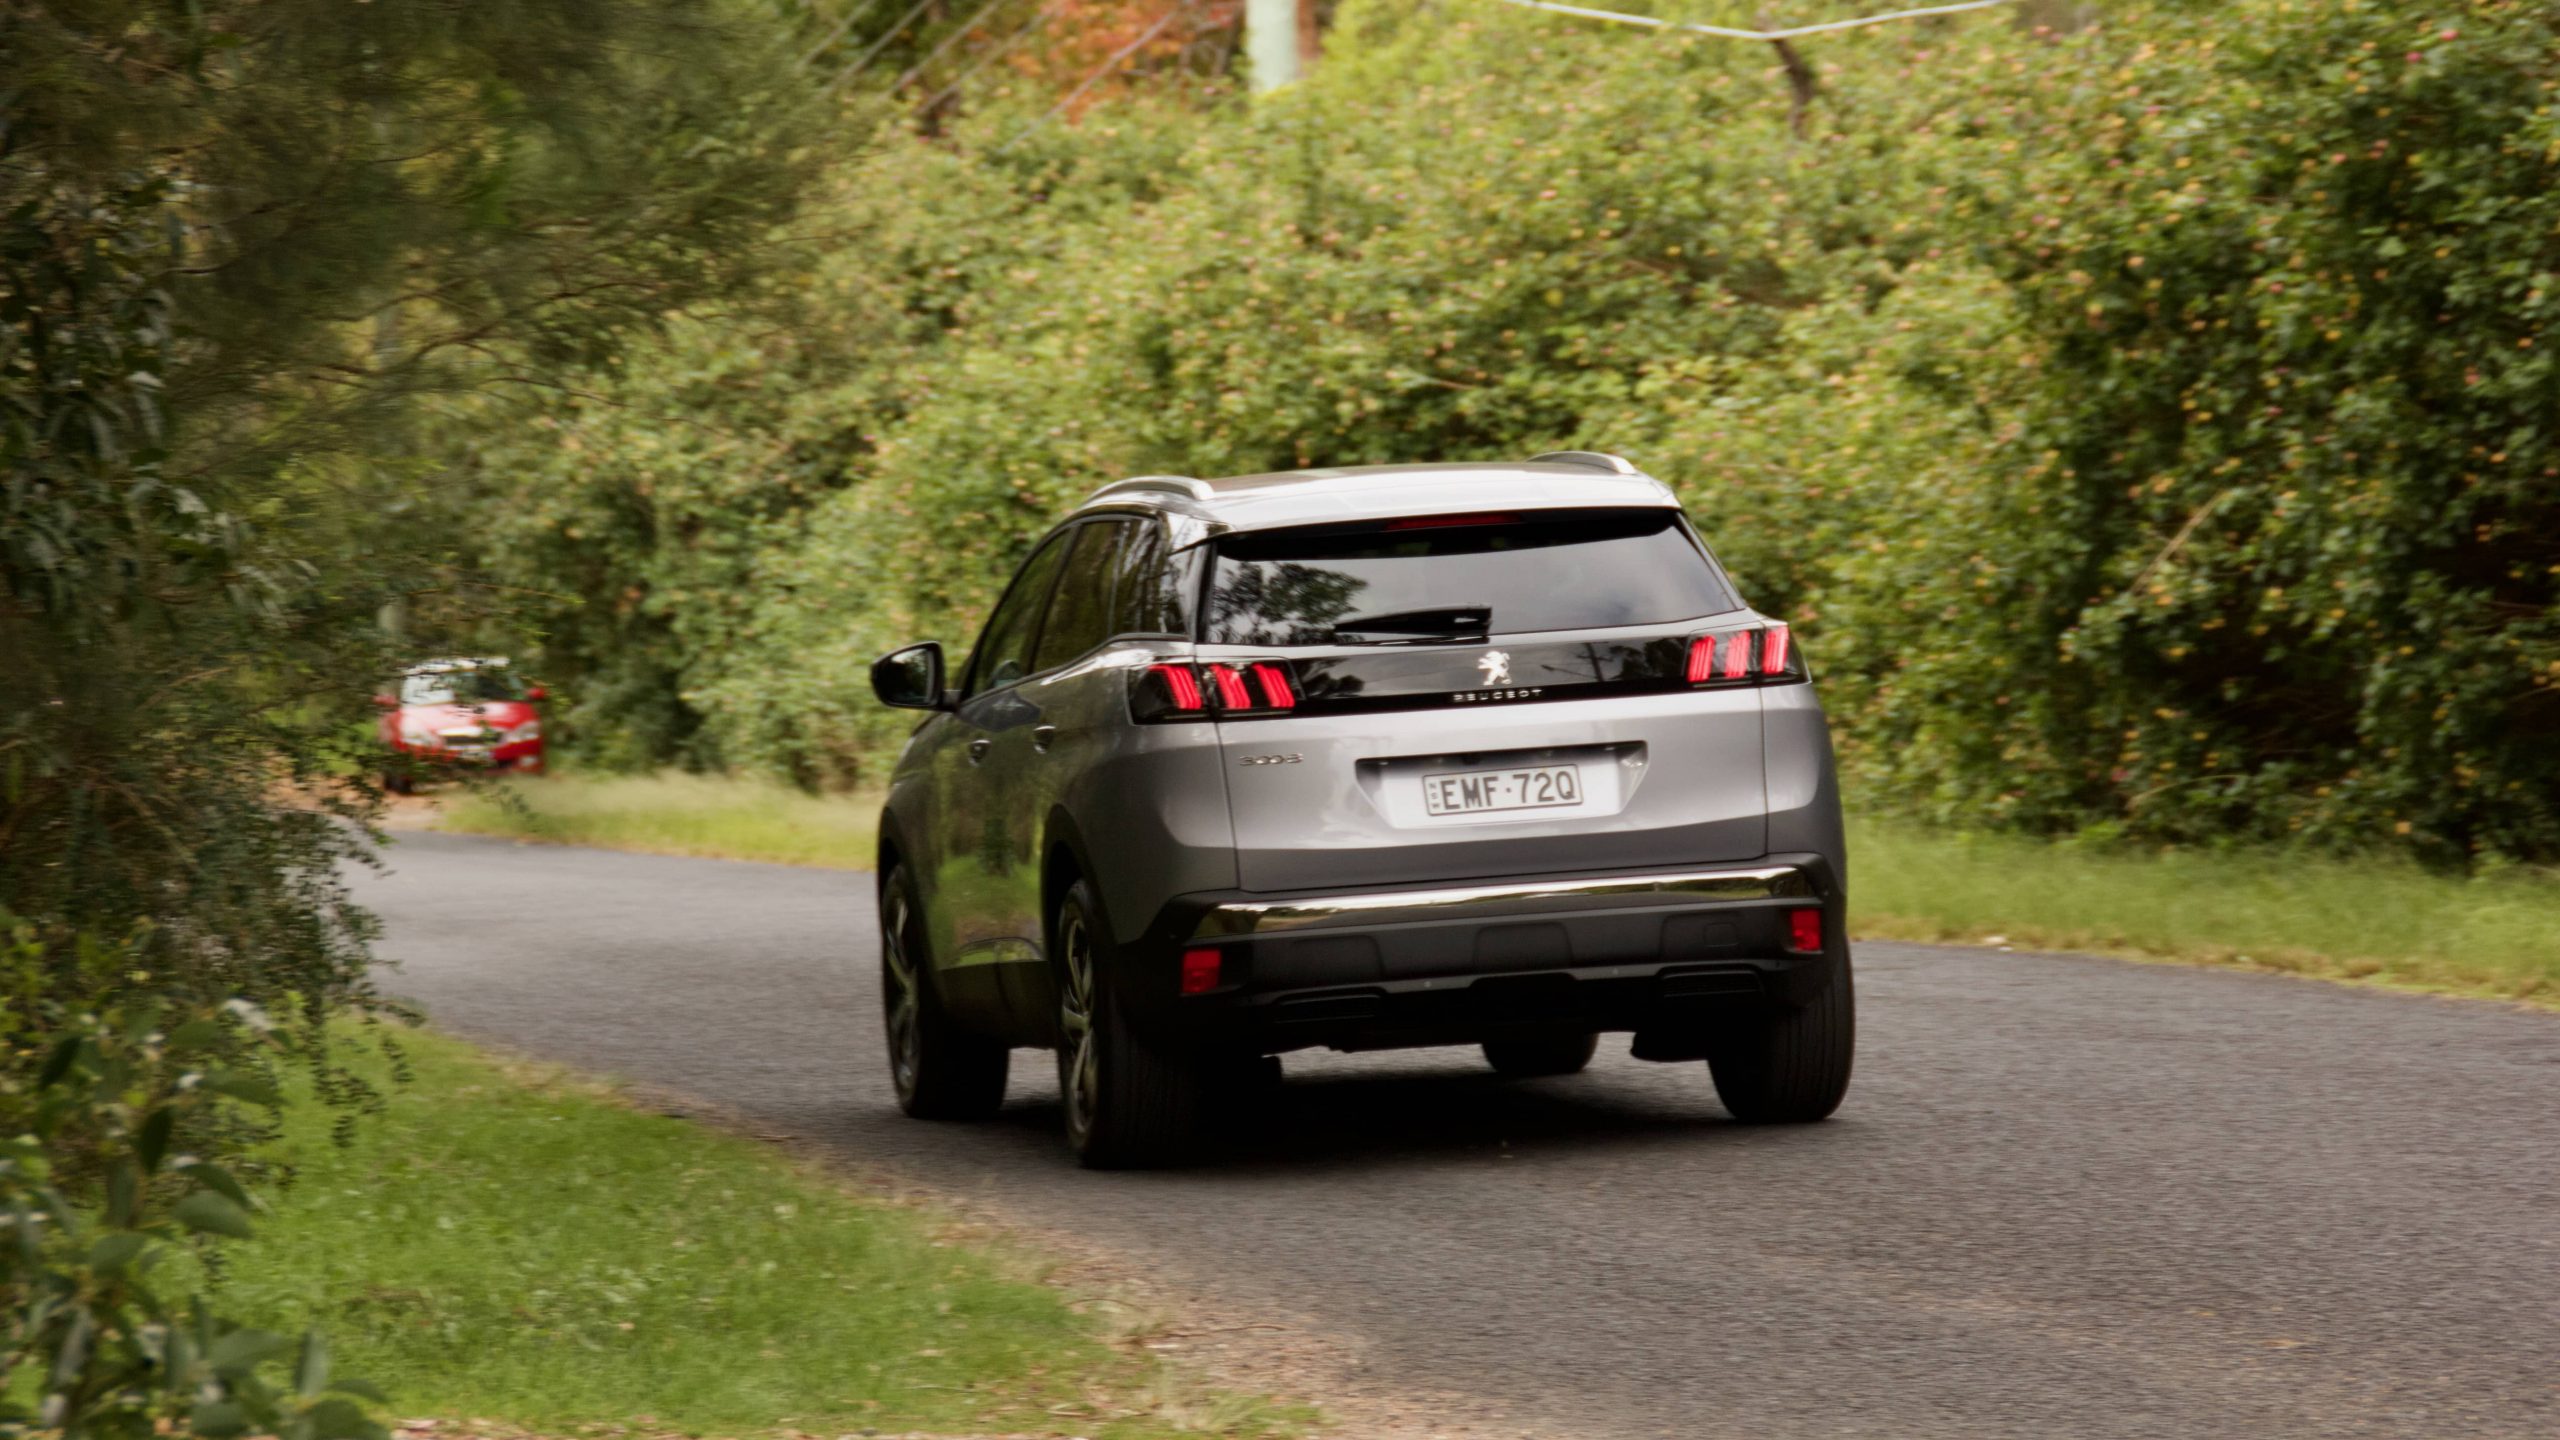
[1274,682]
[1176,686]
[1761,655]
[1224,690]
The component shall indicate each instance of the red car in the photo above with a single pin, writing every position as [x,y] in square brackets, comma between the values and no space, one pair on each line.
[461,715]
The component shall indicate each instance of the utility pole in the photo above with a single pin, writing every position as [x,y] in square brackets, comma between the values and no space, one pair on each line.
[1271,42]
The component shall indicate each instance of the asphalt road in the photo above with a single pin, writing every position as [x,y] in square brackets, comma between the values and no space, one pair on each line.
[2066,1197]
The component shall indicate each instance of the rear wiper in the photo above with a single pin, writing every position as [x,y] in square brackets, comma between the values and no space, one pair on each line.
[1439,622]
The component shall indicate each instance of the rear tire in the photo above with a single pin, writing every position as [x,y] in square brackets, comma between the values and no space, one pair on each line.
[940,1071]
[1128,1104]
[1529,1057]
[1787,1066]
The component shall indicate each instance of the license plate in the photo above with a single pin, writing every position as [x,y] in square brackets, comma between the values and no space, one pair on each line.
[1522,787]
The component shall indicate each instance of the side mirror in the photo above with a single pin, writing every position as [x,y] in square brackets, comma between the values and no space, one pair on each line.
[387,702]
[910,679]
[537,693]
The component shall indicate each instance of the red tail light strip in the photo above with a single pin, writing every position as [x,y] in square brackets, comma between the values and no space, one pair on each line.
[1274,679]
[1731,655]
[1702,660]
[1181,686]
[1773,650]
[1231,692]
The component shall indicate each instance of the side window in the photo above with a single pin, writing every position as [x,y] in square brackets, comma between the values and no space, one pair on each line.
[1080,607]
[1004,650]
[1149,588]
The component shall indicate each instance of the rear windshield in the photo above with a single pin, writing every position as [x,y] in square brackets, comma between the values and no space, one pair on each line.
[1432,577]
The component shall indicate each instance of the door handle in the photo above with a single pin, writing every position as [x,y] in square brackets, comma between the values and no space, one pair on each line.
[978,749]
[1041,735]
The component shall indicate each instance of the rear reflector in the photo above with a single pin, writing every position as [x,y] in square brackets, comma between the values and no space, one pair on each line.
[1804,932]
[1200,970]
[1180,685]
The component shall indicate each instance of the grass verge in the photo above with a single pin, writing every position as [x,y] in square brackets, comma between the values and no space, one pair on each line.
[674,814]
[2370,921]
[503,1243]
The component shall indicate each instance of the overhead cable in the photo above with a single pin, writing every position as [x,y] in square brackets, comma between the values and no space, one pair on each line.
[1002,49]
[1790,33]
[863,62]
[837,33]
[1105,68]
[947,42]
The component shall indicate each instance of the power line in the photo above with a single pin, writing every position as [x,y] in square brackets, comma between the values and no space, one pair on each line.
[947,42]
[1006,48]
[850,16]
[1105,68]
[863,61]
[1790,33]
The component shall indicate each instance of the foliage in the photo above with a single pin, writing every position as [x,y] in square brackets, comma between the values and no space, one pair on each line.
[506,1242]
[730,818]
[2238,516]
[240,246]
[103,1180]
[2142,422]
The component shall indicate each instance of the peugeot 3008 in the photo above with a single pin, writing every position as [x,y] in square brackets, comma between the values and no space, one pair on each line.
[1404,755]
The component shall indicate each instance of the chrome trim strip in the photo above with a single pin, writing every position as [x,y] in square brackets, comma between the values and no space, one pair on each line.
[1264,917]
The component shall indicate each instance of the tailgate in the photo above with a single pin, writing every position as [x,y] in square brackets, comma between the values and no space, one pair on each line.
[1407,767]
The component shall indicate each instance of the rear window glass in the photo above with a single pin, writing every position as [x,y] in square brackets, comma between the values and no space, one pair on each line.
[1404,580]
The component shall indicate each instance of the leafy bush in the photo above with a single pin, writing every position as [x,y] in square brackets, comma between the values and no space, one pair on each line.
[2143,423]
[104,1174]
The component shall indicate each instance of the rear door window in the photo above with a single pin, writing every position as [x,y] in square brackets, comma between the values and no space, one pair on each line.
[1080,607]
[1004,651]
[1149,585]
[1407,580]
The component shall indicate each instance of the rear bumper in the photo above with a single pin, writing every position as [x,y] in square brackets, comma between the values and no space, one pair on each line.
[1658,951]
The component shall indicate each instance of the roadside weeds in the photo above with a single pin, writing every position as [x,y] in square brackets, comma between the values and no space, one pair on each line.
[2376,923]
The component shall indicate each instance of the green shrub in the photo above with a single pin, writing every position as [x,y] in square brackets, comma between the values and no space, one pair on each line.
[2144,424]
[102,1177]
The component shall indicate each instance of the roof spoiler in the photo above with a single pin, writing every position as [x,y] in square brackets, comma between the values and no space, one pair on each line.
[1588,459]
[1182,485]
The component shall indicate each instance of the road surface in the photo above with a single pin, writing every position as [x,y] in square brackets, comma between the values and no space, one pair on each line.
[2066,1197]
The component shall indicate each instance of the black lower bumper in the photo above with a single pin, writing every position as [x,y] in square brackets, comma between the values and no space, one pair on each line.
[1384,968]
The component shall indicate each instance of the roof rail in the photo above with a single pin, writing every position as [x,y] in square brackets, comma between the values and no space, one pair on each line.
[1182,485]
[1589,459]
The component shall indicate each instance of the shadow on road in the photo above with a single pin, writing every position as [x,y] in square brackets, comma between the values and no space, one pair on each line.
[1368,1119]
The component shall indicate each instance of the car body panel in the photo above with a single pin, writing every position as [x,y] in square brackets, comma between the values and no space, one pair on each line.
[1689,788]
[1171,819]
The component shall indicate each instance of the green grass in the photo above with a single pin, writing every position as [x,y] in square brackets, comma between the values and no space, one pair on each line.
[507,1244]
[2373,921]
[2368,921]
[674,814]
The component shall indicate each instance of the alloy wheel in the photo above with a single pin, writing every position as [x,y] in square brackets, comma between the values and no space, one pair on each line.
[899,1002]
[1079,1057]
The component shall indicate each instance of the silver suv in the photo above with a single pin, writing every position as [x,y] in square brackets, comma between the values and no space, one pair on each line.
[1404,755]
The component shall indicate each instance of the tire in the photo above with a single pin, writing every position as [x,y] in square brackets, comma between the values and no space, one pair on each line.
[940,1071]
[1128,1104]
[1528,1057]
[1787,1066]
[399,782]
